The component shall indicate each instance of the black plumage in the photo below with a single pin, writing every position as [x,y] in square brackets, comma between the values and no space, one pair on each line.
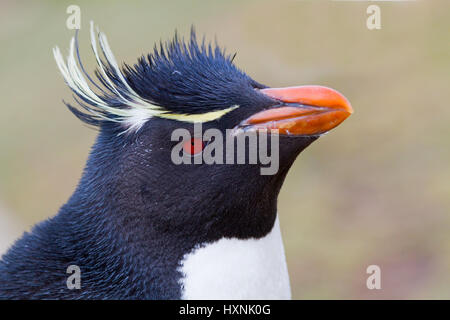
[134,213]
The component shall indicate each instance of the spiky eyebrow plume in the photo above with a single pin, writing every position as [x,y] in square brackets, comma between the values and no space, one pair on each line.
[116,101]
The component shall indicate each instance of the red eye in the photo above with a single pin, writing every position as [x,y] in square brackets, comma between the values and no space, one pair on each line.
[193,146]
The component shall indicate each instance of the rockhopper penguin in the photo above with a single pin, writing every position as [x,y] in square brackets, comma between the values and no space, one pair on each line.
[140,226]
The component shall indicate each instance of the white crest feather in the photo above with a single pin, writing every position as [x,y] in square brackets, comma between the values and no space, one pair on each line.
[138,110]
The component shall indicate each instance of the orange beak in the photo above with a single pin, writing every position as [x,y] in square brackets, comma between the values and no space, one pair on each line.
[305,111]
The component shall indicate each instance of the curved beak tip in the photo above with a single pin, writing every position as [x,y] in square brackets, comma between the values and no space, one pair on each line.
[318,96]
[305,110]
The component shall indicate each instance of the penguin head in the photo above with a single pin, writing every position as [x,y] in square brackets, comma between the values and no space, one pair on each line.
[161,117]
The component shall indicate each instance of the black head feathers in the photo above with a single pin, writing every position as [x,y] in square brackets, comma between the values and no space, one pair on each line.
[184,81]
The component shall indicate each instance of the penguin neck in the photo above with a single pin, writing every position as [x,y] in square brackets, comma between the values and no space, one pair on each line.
[125,216]
[139,244]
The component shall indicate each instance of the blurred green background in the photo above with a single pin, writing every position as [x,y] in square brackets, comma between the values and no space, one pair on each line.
[376,190]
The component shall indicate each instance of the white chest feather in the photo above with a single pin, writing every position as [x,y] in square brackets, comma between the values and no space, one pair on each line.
[237,269]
